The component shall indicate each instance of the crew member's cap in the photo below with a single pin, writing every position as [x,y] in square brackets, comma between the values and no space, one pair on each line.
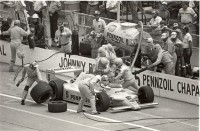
[96,12]
[16,22]
[173,35]
[175,25]
[164,35]
[34,64]
[164,3]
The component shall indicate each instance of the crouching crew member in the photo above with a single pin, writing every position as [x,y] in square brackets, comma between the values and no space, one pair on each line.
[126,74]
[86,88]
[165,58]
[33,75]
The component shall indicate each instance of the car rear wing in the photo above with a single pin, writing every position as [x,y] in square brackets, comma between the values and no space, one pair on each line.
[50,73]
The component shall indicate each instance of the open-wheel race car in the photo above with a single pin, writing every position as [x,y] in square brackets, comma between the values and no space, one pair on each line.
[116,98]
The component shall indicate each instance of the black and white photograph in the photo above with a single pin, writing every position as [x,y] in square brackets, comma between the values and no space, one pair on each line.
[109,65]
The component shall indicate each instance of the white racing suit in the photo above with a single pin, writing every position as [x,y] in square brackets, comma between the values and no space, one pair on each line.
[129,80]
[86,88]
[16,36]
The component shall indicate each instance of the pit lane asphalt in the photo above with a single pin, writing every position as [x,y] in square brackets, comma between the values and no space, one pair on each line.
[36,117]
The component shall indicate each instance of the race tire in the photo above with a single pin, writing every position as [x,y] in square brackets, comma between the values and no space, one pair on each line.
[41,92]
[57,87]
[57,106]
[145,94]
[102,101]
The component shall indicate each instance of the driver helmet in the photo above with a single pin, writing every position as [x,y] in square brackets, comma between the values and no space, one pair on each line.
[104,60]
[104,78]
[119,61]
[35,16]
[105,47]
[34,64]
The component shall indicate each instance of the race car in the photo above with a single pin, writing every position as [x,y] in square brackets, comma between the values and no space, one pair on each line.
[116,98]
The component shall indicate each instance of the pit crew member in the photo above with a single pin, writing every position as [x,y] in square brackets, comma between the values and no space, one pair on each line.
[86,88]
[33,75]
[165,58]
[126,74]
[16,35]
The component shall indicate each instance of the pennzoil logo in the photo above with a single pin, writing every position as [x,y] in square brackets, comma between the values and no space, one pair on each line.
[111,28]
[115,38]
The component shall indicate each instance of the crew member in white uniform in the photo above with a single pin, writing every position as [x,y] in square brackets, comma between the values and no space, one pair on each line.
[126,74]
[33,74]
[86,88]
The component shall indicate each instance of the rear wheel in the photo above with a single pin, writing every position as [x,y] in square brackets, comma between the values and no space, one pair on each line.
[102,101]
[145,94]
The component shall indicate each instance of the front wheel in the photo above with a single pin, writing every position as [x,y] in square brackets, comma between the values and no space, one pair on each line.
[145,94]
[102,101]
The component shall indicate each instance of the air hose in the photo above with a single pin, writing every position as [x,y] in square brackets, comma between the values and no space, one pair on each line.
[142,119]
[138,48]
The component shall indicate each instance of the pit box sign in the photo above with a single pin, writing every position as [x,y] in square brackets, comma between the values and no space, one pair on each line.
[169,86]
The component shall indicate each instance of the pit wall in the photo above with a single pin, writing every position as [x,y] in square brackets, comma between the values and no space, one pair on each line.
[168,86]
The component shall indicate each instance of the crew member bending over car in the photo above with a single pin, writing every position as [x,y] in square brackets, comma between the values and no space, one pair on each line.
[33,75]
[126,74]
[86,88]
[163,57]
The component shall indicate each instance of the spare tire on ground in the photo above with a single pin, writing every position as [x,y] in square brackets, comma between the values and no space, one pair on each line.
[145,94]
[57,106]
[57,87]
[41,92]
[102,101]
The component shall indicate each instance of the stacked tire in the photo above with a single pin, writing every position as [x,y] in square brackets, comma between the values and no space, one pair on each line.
[56,104]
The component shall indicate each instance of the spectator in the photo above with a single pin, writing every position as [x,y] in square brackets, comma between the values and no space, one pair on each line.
[164,13]
[155,20]
[111,7]
[55,6]
[33,74]
[38,8]
[187,49]
[16,35]
[169,46]
[38,32]
[163,28]
[63,38]
[178,31]
[98,24]
[186,15]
